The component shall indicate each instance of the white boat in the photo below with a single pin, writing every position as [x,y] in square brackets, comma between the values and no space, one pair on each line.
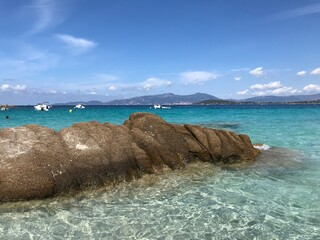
[4,108]
[42,106]
[79,106]
[158,106]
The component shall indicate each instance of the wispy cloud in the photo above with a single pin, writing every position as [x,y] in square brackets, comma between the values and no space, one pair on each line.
[47,12]
[197,77]
[35,95]
[147,85]
[153,82]
[78,45]
[240,69]
[105,77]
[298,12]
[96,82]
[244,92]
[237,78]
[102,83]
[29,61]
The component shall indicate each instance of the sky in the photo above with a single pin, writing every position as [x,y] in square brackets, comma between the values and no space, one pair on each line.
[80,50]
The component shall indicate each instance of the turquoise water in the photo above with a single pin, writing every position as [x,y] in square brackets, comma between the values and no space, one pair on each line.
[275,198]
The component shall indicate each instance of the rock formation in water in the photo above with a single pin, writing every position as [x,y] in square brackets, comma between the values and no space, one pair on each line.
[38,162]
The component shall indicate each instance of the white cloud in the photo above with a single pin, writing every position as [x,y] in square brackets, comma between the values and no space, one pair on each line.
[112,88]
[301,73]
[19,87]
[284,91]
[257,72]
[152,82]
[315,71]
[272,88]
[237,78]
[79,45]
[4,87]
[7,87]
[198,77]
[244,92]
[270,85]
[278,91]
[311,88]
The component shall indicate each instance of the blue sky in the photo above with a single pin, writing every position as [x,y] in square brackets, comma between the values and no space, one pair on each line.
[69,50]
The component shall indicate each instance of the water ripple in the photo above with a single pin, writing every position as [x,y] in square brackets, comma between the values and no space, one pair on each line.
[201,202]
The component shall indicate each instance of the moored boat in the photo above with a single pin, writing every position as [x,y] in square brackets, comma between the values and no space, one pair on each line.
[4,108]
[158,106]
[79,106]
[42,106]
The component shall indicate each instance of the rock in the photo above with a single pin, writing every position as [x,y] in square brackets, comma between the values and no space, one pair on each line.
[38,162]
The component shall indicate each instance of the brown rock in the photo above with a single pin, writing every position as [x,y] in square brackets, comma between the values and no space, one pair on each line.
[37,162]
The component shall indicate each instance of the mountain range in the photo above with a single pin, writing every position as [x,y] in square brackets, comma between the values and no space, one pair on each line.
[174,99]
[164,99]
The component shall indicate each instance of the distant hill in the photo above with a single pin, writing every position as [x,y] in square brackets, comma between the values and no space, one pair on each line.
[80,102]
[164,99]
[216,102]
[292,98]
[231,102]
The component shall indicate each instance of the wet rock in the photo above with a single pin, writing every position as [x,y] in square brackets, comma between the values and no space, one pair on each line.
[38,162]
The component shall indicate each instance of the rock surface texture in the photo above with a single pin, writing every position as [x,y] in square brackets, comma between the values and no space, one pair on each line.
[38,162]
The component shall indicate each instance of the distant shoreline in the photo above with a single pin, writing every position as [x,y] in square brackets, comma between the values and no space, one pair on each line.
[186,105]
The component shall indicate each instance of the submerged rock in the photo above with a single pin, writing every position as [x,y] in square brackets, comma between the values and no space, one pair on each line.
[38,162]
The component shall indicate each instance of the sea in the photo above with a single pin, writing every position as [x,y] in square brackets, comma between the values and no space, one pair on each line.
[277,197]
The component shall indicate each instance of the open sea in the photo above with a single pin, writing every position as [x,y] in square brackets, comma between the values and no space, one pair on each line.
[278,197]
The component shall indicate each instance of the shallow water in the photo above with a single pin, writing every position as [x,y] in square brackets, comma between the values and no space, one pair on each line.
[275,198]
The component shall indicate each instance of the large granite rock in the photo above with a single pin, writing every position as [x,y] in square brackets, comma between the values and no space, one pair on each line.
[38,162]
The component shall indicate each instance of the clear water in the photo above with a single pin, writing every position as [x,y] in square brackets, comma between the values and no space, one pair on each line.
[275,198]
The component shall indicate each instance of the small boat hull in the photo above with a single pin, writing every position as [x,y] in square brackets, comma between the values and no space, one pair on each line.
[79,106]
[42,107]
